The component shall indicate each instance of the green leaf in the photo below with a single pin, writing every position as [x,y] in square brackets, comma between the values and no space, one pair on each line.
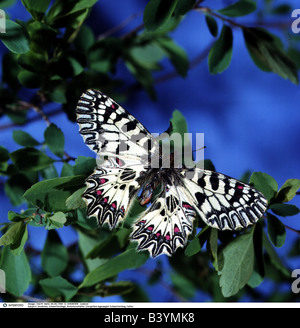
[212,25]
[68,12]
[29,79]
[36,8]
[240,8]
[58,286]
[212,246]
[30,159]
[11,234]
[285,209]
[176,54]
[157,13]
[110,245]
[15,187]
[7,3]
[57,220]
[196,244]
[17,271]
[288,190]
[54,255]
[24,139]
[4,154]
[15,38]
[265,184]
[258,274]
[275,259]
[276,230]
[183,286]
[183,6]
[75,201]
[238,261]
[220,54]
[86,244]
[130,259]
[84,165]
[117,288]
[266,51]
[143,75]
[51,194]
[55,140]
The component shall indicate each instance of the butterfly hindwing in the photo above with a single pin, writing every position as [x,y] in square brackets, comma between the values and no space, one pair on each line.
[223,202]
[109,193]
[166,224]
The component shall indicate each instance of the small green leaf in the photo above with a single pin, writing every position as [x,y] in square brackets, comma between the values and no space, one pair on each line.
[212,246]
[51,194]
[57,220]
[15,38]
[11,234]
[58,286]
[29,79]
[75,201]
[157,13]
[212,25]
[55,140]
[30,159]
[196,244]
[24,139]
[4,154]
[54,255]
[36,8]
[183,6]
[176,54]
[265,184]
[240,8]
[238,261]
[17,271]
[130,259]
[275,259]
[288,190]
[285,209]
[276,230]
[183,286]
[84,165]
[220,54]
[266,52]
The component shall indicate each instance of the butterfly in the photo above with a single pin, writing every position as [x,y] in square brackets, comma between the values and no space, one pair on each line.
[172,196]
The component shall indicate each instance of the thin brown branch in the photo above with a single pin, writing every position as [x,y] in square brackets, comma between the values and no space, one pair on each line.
[119,27]
[292,229]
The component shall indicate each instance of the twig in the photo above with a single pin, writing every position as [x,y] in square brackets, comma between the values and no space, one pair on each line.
[119,27]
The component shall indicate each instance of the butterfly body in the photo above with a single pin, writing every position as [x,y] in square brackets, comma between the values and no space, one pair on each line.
[172,196]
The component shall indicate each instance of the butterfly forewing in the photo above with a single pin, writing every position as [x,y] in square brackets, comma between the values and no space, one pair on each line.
[109,130]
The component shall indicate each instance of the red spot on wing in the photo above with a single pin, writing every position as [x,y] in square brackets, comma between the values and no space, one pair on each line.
[240,187]
[102,181]
[99,192]
[168,237]
[176,229]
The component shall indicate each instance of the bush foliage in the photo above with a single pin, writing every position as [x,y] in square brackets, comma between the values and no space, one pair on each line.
[56,56]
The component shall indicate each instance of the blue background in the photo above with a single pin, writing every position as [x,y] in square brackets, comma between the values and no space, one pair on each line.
[250,119]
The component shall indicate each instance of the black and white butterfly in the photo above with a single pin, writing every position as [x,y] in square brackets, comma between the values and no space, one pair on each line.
[129,149]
